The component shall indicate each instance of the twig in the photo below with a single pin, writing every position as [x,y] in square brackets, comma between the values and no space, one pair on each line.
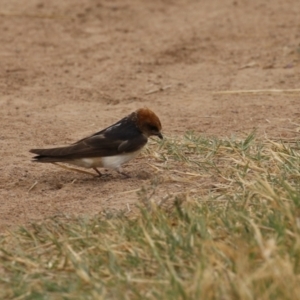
[74,169]
[276,91]
[154,167]
[127,192]
[284,139]
[290,130]
[121,193]
[191,174]
[39,16]
[161,89]
[32,186]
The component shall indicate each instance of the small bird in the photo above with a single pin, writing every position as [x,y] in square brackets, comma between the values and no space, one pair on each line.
[110,147]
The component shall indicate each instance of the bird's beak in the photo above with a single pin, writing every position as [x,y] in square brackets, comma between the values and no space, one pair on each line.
[160,136]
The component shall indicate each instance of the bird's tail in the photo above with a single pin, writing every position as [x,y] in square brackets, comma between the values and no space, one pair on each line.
[50,155]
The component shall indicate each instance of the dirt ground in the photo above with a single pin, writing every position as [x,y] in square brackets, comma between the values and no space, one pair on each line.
[70,68]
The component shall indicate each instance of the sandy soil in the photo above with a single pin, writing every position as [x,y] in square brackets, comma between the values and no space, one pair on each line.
[69,68]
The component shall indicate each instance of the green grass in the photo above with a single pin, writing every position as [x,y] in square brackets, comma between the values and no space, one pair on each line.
[219,220]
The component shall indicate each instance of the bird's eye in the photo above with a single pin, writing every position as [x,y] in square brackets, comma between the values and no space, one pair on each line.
[152,128]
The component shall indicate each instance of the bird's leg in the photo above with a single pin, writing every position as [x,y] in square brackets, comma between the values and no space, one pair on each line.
[99,173]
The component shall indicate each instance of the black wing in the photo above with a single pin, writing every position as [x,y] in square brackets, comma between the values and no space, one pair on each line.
[122,137]
[124,129]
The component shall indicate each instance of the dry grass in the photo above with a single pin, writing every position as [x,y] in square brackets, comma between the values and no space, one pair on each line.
[220,220]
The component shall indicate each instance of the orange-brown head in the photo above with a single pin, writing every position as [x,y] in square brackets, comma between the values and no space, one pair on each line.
[148,122]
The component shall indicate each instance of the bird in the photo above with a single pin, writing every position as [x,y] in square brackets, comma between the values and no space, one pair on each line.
[109,148]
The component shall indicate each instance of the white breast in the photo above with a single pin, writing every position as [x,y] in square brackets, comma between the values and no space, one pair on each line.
[110,162]
[114,162]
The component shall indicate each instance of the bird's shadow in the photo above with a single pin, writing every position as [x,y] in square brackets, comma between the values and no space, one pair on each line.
[51,179]
[54,180]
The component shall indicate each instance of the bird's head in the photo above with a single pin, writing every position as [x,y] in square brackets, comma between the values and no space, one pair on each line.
[148,122]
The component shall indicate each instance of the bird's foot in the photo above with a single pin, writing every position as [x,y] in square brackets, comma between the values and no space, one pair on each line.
[123,173]
[99,173]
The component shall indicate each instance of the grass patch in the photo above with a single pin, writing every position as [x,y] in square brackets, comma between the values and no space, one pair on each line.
[219,220]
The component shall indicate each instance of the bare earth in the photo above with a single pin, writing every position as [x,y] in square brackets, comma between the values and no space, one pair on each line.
[70,68]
